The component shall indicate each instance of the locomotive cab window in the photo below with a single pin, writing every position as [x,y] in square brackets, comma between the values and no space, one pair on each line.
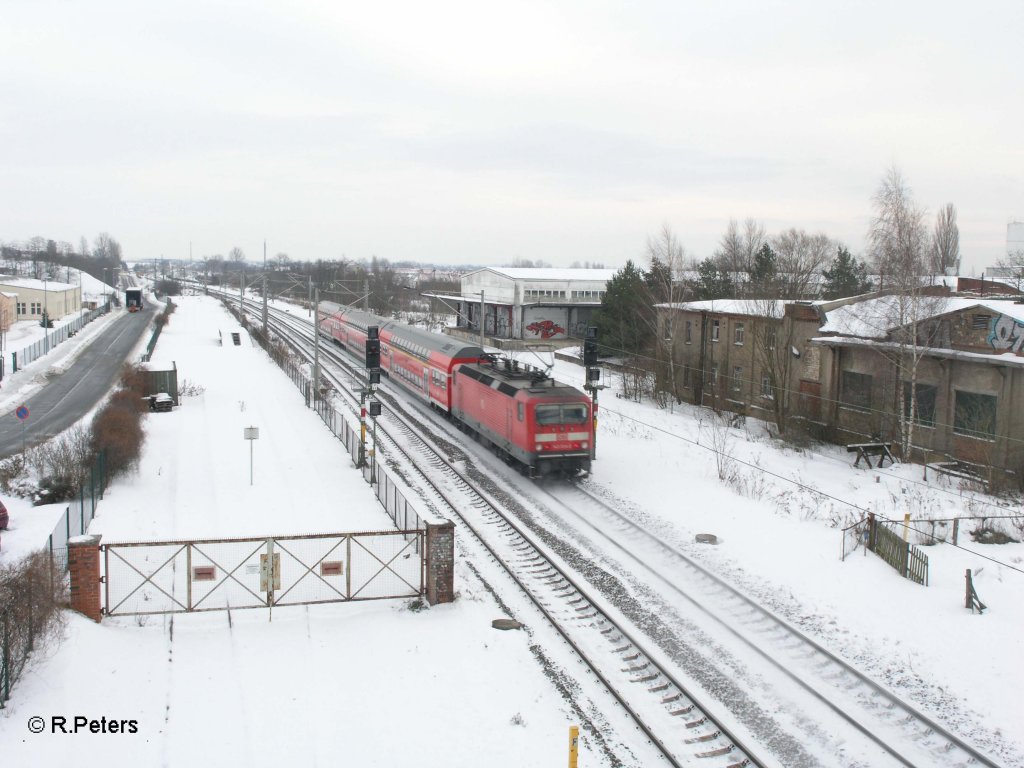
[574,414]
[521,411]
[561,414]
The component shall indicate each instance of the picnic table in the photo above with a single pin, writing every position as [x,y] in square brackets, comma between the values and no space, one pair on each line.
[866,450]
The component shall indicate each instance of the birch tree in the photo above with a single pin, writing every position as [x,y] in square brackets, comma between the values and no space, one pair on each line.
[898,244]
[665,283]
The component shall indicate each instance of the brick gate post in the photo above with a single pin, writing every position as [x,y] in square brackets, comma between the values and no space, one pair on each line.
[84,567]
[440,562]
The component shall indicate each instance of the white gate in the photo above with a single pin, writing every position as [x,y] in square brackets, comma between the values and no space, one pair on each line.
[216,574]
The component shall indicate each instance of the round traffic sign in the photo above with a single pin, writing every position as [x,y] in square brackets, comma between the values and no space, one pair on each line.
[22,412]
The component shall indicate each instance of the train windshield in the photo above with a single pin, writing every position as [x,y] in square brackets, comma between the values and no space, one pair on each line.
[561,414]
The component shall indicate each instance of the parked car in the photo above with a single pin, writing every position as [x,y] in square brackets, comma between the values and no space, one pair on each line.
[4,517]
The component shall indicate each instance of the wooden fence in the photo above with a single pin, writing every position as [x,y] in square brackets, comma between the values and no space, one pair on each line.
[908,560]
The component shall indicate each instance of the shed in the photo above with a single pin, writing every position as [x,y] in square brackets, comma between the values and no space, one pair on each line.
[161,377]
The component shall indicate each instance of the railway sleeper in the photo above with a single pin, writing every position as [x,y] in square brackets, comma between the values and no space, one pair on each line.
[634,657]
[717,752]
[625,648]
[684,711]
[696,723]
[705,738]
[671,698]
[583,617]
[637,668]
[645,678]
[659,688]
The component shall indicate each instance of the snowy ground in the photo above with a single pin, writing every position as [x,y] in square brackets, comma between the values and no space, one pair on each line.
[366,684]
[378,684]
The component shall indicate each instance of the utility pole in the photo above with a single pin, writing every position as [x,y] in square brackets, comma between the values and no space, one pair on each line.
[264,303]
[241,293]
[483,313]
[366,294]
[316,345]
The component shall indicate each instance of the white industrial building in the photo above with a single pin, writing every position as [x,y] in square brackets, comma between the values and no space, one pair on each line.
[33,296]
[549,305]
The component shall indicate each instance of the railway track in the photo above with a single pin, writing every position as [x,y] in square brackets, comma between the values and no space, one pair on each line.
[908,736]
[668,715]
[664,707]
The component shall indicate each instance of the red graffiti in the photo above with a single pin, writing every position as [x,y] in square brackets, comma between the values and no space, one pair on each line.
[546,329]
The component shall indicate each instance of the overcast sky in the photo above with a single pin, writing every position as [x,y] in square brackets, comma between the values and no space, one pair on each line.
[472,133]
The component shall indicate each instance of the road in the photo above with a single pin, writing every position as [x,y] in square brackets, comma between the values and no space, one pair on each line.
[72,394]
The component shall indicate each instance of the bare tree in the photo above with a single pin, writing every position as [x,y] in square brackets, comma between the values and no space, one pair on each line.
[737,250]
[1012,267]
[897,244]
[666,285]
[896,240]
[107,248]
[773,342]
[944,256]
[801,259]
[236,255]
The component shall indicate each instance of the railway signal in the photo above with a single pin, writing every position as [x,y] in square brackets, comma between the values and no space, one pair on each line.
[590,348]
[593,376]
[373,377]
[372,349]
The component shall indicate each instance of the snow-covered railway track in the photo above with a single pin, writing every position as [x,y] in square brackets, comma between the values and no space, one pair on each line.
[671,719]
[906,734]
[661,706]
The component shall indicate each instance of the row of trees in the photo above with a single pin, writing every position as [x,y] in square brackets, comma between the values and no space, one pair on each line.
[792,265]
[375,284]
[41,258]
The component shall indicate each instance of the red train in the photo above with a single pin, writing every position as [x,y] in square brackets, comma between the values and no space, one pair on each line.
[531,420]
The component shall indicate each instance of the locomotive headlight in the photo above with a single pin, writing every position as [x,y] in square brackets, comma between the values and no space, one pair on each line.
[538,446]
[585,445]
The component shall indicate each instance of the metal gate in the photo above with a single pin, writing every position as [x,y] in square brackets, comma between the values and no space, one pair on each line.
[217,574]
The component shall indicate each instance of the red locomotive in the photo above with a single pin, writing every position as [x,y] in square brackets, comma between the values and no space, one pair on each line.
[531,420]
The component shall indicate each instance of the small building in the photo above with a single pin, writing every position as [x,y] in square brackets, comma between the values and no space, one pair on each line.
[33,296]
[527,304]
[161,379]
[8,310]
[850,370]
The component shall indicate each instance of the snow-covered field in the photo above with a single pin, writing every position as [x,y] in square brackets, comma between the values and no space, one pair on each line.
[380,684]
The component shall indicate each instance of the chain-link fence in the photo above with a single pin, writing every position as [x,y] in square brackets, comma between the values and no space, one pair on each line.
[53,337]
[79,513]
[158,326]
[31,593]
[388,492]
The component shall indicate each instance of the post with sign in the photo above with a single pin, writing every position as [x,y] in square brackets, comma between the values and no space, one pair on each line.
[251,434]
[374,413]
[22,414]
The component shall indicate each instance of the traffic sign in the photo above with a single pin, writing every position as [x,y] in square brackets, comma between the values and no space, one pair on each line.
[22,412]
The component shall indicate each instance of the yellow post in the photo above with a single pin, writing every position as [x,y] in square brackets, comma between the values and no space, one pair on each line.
[906,525]
[574,743]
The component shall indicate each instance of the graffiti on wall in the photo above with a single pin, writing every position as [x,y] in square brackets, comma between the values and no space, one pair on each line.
[1007,334]
[546,329]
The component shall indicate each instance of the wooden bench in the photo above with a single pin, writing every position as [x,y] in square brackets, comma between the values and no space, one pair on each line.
[867,450]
